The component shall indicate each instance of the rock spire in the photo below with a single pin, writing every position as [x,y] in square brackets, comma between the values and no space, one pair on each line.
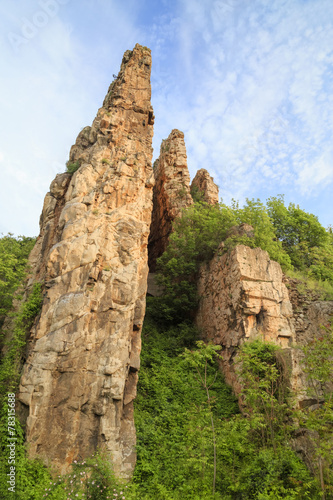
[79,381]
[203,184]
[171,193]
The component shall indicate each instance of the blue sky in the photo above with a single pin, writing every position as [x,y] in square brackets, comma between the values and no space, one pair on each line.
[249,82]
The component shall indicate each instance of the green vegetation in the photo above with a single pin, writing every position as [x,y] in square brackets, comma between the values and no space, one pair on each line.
[196,194]
[308,244]
[14,254]
[318,367]
[72,167]
[306,283]
[193,443]
[27,472]
[177,442]
[14,346]
[291,237]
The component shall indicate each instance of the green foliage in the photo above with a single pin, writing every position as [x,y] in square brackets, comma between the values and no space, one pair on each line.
[255,213]
[318,367]
[308,244]
[12,360]
[14,252]
[92,478]
[199,359]
[195,238]
[264,391]
[324,289]
[72,167]
[197,195]
[27,471]
[172,416]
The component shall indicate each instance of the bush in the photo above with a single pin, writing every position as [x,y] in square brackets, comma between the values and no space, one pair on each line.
[14,253]
[72,167]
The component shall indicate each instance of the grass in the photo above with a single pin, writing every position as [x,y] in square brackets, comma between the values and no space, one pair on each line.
[323,288]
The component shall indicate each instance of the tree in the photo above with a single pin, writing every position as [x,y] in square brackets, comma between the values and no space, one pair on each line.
[302,236]
[199,360]
[318,367]
[255,213]
[264,392]
[14,252]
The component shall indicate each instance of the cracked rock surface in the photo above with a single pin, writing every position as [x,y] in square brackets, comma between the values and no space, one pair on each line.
[79,380]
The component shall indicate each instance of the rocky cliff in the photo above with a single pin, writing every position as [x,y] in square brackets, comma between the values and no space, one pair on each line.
[242,297]
[79,381]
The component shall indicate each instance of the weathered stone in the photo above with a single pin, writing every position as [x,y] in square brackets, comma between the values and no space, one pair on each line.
[242,297]
[79,381]
[241,230]
[204,184]
[171,193]
[310,315]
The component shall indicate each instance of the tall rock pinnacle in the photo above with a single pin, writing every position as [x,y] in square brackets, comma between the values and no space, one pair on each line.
[79,381]
[206,187]
[171,193]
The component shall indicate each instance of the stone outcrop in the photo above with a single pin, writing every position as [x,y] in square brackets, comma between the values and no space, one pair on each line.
[310,312]
[311,316]
[79,381]
[203,184]
[241,230]
[171,193]
[242,297]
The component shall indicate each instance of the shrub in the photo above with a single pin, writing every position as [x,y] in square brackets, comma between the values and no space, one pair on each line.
[72,167]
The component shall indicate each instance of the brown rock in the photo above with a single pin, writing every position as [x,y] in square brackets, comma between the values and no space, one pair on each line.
[310,316]
[204,184]
[241,230]
[171,193]
[242,297]
[79,381]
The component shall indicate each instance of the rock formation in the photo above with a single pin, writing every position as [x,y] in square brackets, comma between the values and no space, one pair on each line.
[205,186]
[171,193]
[311,316]
[79,381]
[242,297]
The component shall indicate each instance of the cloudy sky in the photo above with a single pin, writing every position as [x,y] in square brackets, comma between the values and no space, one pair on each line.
[249,82]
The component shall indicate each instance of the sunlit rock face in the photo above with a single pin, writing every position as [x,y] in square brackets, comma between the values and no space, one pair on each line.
[242,297]
[79,381]
[171,193]
[204,184]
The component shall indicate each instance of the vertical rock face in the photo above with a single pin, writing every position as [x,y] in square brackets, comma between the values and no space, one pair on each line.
[79,381]
[310,315]
[242,297]
[205,185]
[171,193]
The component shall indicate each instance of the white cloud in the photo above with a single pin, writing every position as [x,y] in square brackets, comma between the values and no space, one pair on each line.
[249,83]
[317,173]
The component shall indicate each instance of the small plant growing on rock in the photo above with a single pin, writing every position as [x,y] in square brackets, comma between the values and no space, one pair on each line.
[72,167]
[182,192]
[105,161]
